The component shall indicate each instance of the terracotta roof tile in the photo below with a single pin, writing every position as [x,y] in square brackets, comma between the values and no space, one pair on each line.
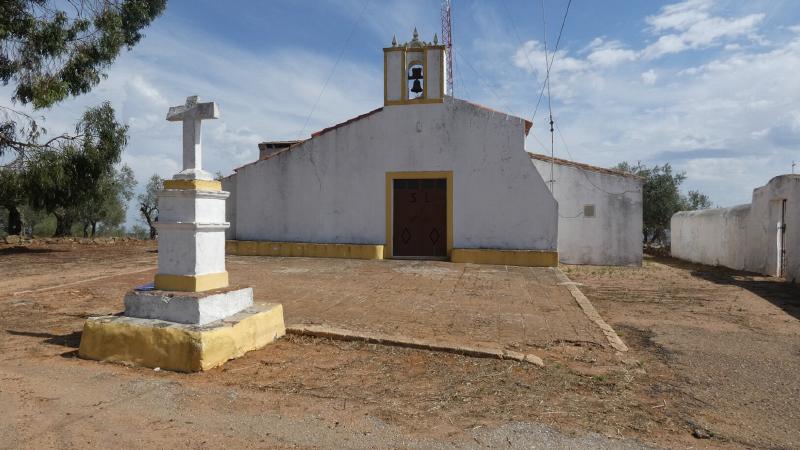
[565,162]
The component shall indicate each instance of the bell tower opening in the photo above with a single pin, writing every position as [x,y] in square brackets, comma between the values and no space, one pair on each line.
[416,81]
[414,72]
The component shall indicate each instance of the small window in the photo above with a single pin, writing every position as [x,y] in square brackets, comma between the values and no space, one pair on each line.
[416,81]
[588,210]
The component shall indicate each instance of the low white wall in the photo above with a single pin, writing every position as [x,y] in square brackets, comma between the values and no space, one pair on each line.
[716,237]
[331,189]
[614,235]
[744,237]
[767,205]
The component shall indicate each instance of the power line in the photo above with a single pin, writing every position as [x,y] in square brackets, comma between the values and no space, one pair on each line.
[550,65]
[563,141]
[335,65]
[547,83]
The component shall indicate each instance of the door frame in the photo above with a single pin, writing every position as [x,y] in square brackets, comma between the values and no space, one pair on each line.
[388,252]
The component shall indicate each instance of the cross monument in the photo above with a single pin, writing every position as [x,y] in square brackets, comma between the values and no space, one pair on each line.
[189,319]
[192,114]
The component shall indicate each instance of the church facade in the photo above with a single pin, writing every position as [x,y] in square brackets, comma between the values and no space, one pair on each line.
[425,176]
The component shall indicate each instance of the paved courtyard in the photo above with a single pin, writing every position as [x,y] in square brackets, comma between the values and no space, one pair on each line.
[516,308]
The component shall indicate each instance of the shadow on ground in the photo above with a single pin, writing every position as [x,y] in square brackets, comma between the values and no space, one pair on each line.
[71,340]
[775,290]
[19,250]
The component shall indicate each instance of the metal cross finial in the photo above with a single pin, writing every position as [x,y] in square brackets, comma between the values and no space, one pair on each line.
[192,114]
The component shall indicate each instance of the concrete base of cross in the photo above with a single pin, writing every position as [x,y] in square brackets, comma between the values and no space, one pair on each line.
[181,347]
[197,308]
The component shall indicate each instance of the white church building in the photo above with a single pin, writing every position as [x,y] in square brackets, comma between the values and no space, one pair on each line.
[425,176]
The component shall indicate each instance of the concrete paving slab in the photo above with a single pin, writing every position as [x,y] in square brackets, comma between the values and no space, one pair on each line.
[516,308]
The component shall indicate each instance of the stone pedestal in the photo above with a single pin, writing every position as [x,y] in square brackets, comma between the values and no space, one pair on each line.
[198,308]
[191,236]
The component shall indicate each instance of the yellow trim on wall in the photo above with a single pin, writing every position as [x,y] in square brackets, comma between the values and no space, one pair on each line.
[178,347]
[404,62]
[527,258]
[201,185]
[442,68]
[425,74]
[420,101]
[390,177]
[304,249]
[191,283]
[404,79]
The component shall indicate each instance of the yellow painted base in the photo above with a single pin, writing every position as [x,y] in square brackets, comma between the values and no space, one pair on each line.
[191,283]
[200,185]
[178,347]
[306,249]
[528,258]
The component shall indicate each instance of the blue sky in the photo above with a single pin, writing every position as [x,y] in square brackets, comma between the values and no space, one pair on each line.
[710,86]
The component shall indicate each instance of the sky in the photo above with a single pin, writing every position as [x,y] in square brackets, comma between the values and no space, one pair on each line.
[710,86]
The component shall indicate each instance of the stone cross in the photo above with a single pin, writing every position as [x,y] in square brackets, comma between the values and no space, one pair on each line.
[192,114]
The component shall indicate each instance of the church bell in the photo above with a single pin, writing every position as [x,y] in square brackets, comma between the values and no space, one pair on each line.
[416,75]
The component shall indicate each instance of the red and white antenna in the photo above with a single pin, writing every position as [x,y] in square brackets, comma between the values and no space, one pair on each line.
[447,40]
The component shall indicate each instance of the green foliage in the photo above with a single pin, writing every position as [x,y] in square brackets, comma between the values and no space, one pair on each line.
[61,182]
[695,200]
[139,232]
[106,204]
[50,50]
[39,223]
[148,203]
[12,195]
[662,198]
[52,53]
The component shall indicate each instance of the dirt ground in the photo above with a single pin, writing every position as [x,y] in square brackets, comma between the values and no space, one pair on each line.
[712,351]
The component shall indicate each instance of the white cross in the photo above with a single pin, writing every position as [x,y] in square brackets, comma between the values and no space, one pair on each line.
[192,114]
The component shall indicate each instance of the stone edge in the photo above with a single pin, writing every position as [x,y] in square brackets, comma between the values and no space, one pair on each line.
[588,309]
[324,331]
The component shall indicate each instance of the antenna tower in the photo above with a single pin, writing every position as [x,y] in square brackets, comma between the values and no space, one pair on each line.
[447,40]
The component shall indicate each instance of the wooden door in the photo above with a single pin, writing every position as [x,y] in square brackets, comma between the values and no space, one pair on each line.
[420,218]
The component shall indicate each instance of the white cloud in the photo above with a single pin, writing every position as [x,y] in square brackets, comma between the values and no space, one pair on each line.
[609,53]
[261,97]
[731,123]
[649,78]
[691,26]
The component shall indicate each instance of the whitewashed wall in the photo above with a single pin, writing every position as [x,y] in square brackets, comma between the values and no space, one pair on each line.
[331,189]
[614,235]
[716,237]
[744,237]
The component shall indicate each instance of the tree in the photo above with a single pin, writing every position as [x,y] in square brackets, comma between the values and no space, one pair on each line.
[11,198]
[107,203]
[49,51]
[62,181]
[696,200]
[148,203]
[662,198]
